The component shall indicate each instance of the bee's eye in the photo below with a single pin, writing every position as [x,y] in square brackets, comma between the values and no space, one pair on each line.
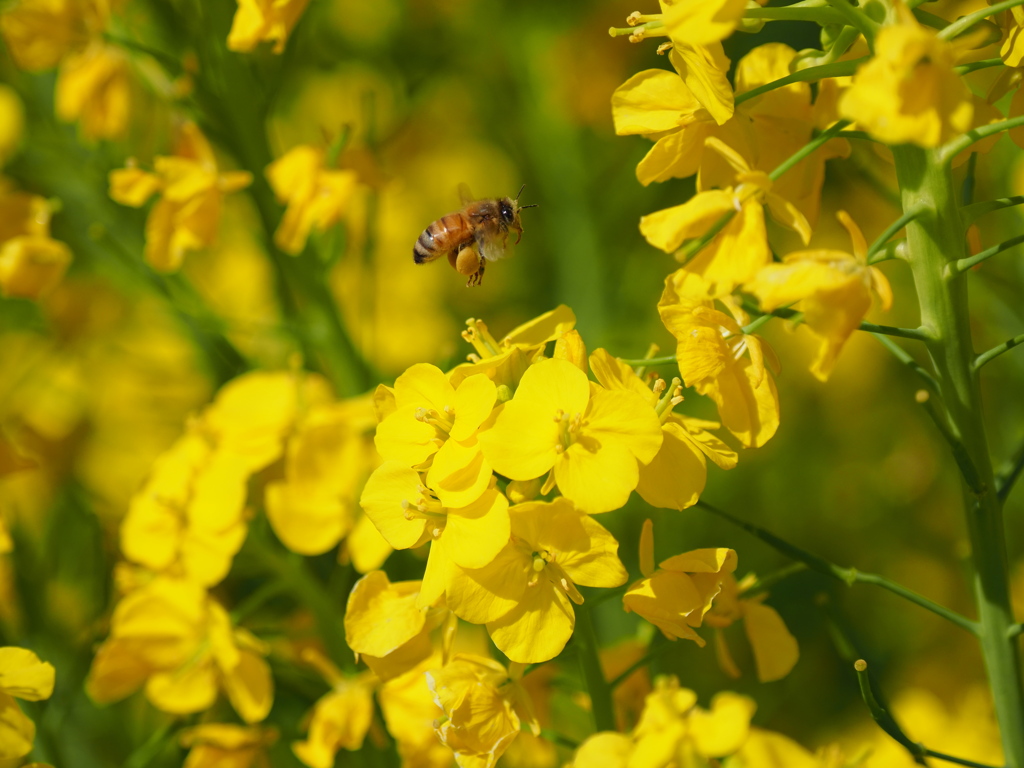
[506,212]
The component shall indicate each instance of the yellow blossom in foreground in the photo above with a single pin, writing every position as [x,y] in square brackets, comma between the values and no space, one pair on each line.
[525,595]
[317,197]
[717,359]
[675,477]
[483,707]
[589,438]
[257,21]
[434,421]
[340,719]
[909,92]
[219,745]
[192,189]
[385,626]
[408,513]
[676,596]
[94,88]
[775,649]
[170,636]
[22,676]
[833,288]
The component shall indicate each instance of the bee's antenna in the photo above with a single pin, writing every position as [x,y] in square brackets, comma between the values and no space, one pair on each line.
[531,205]
[520,191]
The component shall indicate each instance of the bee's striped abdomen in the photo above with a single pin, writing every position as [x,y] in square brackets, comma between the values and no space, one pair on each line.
[423,251]
[446,235]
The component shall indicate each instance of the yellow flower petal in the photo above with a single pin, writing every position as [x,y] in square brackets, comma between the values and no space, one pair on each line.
[675,477]
[474,534]
[537,628]
[668,228]
[17,732]
[391,484]
[459,473]
[723,730]
[23,675]
[652,101]
[597,480]
[775,649]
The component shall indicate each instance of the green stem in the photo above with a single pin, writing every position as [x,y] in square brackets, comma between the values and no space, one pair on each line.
[936,239]
[974,66]
[848,576]
[1008,476]
[962,265]
[818,14]
[886,722]
[857,18]
[666,360]
[590,665]
[960,143]
[904,357]
[837,69]
[891,230]
[918,334]
[974,211]
[767,582]
[966,22]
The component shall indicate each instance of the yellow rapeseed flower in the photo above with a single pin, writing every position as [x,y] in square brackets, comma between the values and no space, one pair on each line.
[215,745]
[909,92]
[505,361]
[676,596]
[22,676]
[483,708]
[328,458]
[409,713]
[31,262]
[675,477]
[589,438]
[775,649]
[525,594]
[436,421]
[188,519]
[385,626]
[340,719]
[192,189]
[717,359]
[94,88]
[258,21]
[834,290]
[317,197]
[39,33]
[701,22]
[674,732]
[736,253]
[171,637]
[408,513]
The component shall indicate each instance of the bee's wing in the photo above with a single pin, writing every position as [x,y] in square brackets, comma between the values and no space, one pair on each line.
[464,194]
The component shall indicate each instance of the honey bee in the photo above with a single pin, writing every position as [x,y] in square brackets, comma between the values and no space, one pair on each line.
[472,236]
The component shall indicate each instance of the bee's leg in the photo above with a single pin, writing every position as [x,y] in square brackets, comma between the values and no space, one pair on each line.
[478,276]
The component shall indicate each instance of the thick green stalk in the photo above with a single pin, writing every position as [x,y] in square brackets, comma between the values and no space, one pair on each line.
[935,239]
[590,665]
